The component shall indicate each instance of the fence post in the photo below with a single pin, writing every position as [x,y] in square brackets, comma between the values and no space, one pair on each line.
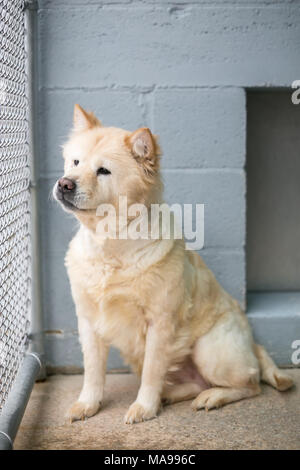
[36,323]
[17,400]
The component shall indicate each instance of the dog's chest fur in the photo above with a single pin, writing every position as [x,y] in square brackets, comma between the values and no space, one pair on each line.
[114,308]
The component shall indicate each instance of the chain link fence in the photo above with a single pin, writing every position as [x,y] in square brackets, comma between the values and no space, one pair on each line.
[14,195]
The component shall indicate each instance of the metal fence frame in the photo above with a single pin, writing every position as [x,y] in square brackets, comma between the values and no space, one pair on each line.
[32,367]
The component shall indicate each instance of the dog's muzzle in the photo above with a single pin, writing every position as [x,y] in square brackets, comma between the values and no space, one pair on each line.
[65,192]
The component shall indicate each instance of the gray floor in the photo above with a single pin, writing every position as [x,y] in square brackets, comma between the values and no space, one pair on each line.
[269,421]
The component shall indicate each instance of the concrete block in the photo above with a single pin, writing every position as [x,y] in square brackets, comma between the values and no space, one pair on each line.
[275,319]
[229,270]
[63,354]
[201,127]
[223,194]
[148,44]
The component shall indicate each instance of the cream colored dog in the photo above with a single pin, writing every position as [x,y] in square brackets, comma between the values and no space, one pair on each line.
[155,301]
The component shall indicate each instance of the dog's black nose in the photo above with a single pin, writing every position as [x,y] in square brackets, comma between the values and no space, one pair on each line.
[65,185]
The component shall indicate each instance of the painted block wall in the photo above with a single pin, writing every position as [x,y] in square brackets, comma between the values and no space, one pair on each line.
[180,68]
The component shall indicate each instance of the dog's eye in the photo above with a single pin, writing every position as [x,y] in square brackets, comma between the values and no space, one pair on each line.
[76,162]
[103,171]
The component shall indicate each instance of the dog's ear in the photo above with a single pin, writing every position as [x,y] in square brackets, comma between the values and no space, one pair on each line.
[83,120]
[144,147]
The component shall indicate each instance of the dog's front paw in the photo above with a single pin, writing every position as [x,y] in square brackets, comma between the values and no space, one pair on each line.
[138,413]
[80,410]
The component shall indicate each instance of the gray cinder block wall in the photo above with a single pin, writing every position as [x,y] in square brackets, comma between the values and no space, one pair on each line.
[182,68]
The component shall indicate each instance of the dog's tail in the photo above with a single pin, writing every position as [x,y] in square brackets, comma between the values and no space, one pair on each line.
[270,372]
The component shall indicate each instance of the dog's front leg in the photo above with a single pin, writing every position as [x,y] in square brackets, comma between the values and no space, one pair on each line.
[156,362]
[94,355]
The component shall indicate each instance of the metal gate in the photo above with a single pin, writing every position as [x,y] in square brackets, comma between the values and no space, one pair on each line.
[19,365]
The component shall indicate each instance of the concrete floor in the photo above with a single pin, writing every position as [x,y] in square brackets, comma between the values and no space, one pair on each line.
[269,421]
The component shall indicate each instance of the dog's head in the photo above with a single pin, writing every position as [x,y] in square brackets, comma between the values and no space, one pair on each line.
[103,163]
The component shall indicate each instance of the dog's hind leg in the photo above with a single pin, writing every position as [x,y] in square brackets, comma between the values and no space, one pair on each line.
[180,392]
[219,396]
[225,358]
[270,372]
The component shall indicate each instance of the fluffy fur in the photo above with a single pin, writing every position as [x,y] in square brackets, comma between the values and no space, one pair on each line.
[158,303]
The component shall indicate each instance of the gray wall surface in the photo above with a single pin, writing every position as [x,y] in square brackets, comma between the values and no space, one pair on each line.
[180,68]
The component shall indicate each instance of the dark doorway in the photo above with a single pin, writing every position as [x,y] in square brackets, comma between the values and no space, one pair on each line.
[273,192]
